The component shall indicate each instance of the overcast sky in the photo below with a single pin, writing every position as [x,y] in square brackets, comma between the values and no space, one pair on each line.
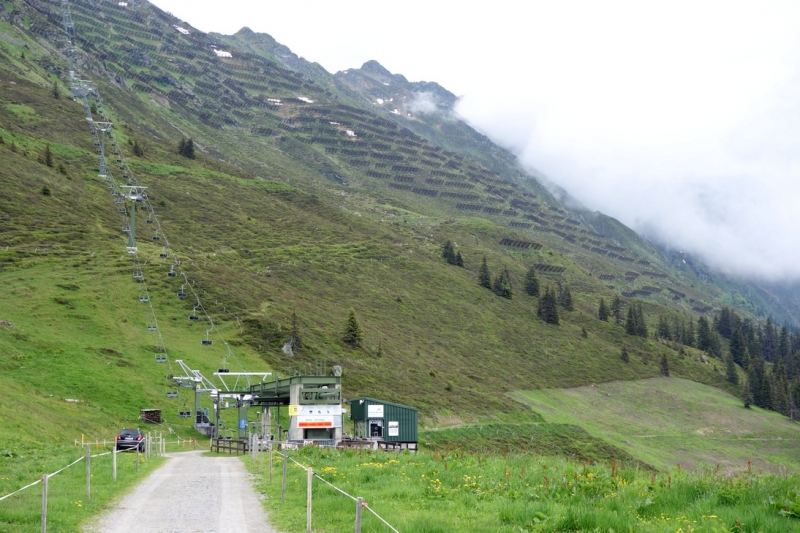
[681,119]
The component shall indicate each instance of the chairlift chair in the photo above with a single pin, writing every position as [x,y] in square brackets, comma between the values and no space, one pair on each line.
[163,254]
[182,293]
[126,230]
[172,394]
[193,317]
[206,341]
[144,298]
[152,327]
[137,275]
[156,237]
[172,272]
[160,358]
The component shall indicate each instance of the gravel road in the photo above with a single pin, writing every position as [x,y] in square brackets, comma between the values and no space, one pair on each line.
[189,494]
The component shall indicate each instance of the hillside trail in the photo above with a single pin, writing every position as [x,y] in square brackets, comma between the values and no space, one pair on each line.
[189,494]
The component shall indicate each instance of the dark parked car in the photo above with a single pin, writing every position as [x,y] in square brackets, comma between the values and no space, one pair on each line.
[130,438]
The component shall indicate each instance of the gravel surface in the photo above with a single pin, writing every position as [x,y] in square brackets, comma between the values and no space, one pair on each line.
[189,494]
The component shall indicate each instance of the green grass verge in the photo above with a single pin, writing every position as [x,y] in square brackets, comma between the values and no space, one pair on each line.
[67,505]
[523,493]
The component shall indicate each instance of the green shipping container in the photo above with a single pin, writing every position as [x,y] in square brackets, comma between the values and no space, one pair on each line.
[388,421]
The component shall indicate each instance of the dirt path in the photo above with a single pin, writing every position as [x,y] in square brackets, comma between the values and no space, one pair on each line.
[189,494]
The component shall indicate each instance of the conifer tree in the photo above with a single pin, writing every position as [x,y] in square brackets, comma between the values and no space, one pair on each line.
[737,347]
[56,90]
[747,395]
[780,389]
[703,334]
[353,335]
[459,259]
[137,149]
[181,146]
[48,156]
[616,310]
[449,253]
[502,286]
[484,278]
[566,299]
[548,307]
[730,371]
[624,355]
[663,328]
[294,333]
[664,366]
[602,310]
[532,283]
[630,322]
[641,324]
[690,337]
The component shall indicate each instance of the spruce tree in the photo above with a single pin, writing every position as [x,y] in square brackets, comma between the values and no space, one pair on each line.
[747,395]
[616,310]
[703,334]
[548,307]
[532,283]
[502,286]
[181,146]
[188,150]
[137,149]
[449,253]
[566,299]
[630,322]
[48,156]
[484,278]
[730,371]
[56,90]
[353,335]
[737,347]
[294,333]
[663,328]
[459,259]
[602,310]
[641,324]
[624,355]
[664,366]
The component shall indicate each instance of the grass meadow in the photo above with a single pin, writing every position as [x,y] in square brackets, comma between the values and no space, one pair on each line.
[456,491]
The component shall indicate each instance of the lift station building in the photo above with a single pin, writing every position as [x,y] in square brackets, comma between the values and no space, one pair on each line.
[389,424]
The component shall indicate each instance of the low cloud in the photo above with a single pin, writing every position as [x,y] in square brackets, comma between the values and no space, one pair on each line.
[423,103]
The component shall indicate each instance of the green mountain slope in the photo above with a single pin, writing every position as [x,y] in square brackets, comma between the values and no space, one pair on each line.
[668,422]
[303,199]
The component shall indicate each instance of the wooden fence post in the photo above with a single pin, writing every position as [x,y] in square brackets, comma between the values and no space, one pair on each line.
[137,458]
[308,499]
[283,485]
[88,472]
[114,463]
[359,505]
[270,461]
[44,503]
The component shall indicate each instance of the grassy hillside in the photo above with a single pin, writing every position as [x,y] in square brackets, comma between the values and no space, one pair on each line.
[281,212]
[667,422]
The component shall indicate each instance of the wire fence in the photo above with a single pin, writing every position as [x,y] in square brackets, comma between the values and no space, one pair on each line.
[360,504]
